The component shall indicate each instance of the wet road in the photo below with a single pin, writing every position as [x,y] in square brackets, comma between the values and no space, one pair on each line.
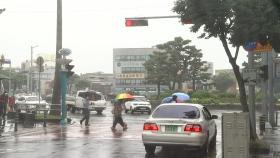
[97,140]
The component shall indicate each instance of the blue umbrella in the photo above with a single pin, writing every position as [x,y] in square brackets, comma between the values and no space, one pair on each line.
[182,96]
[166,100]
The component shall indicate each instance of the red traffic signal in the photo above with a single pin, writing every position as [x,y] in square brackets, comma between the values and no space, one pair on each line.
[135,22]
[186,21]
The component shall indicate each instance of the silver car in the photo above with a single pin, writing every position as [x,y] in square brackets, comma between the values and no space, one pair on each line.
[180,124]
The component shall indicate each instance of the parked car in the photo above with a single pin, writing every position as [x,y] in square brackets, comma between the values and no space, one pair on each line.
[180,124]
[70,101]
[30,103]
[138,104]
[96,100]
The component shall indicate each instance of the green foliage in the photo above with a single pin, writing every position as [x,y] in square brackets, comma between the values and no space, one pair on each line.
[223,81]
[175,62]
[206,97]
[82,84]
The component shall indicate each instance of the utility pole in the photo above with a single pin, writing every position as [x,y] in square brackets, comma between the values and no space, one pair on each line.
[31,69]
[270,89]
[265,88]
[56,89]
[251,96]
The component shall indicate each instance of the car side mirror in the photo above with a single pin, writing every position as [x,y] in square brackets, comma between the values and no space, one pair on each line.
[214,117]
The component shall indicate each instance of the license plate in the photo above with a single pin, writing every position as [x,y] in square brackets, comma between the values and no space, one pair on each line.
[171,129]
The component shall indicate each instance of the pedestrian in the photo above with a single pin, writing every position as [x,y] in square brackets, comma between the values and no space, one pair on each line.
[117,113]
[11,103]
[174,99]
[86,111]
[3,104]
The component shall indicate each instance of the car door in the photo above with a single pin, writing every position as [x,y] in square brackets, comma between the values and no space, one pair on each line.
[210,122]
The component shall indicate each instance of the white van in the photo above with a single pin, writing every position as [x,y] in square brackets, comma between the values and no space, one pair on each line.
[96,100]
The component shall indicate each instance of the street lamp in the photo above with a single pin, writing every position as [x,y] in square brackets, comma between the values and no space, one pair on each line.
[31,69]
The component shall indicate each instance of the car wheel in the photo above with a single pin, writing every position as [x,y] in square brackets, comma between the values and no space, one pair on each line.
[99,112]
[132,111]
[213,141]
[149,112]
[73,110]
[150,149]
[126,111]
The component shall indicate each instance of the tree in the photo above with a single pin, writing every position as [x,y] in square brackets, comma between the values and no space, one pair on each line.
[233,22]
[184,61]
[157,69]
[197,69]
[82,84]
[223,81]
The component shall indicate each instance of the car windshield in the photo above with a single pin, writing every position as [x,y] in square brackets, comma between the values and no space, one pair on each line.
[176,111]
[70,98]
[32,99]
[139,98]
[93,96]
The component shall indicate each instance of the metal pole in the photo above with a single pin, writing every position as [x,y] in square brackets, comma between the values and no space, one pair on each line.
[251,97]
[154,17]
[30,70]
[63,86]
[39,86]
[270,90]
[265,89]
[10,82]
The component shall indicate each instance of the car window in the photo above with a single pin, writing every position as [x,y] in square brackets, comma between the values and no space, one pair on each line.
[21,99]
[32,98]
[206,113]
[176,111]
[93,96]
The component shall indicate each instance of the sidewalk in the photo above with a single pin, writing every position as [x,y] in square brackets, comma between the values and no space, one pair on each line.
[271,137]
[7,128]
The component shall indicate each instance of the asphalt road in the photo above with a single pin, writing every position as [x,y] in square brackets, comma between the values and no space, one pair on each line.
[96,141]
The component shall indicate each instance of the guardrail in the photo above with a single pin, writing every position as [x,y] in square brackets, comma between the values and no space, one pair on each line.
[33,109]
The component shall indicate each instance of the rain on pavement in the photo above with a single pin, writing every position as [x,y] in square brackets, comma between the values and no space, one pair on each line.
[97,140]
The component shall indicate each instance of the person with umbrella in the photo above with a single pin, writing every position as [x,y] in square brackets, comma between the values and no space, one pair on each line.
[174,99]
[86,111]
[118,108]
[117,113]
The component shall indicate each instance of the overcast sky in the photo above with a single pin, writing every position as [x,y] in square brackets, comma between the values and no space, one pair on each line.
[92,28]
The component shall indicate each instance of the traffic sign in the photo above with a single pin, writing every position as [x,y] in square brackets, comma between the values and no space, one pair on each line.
[263,48]
[249,75]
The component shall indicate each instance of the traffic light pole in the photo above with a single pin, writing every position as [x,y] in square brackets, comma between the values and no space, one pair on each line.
[63,88]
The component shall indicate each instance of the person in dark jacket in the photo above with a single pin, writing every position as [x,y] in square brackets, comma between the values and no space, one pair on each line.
[117,113]
[174,99]
[86,111]
[3,104]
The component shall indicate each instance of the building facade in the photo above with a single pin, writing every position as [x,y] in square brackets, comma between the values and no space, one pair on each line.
[99,81]
[129,71]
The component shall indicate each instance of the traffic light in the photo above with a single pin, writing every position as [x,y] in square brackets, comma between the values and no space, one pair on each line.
[136,22]
[186,21]
[69,67]
[264,72]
